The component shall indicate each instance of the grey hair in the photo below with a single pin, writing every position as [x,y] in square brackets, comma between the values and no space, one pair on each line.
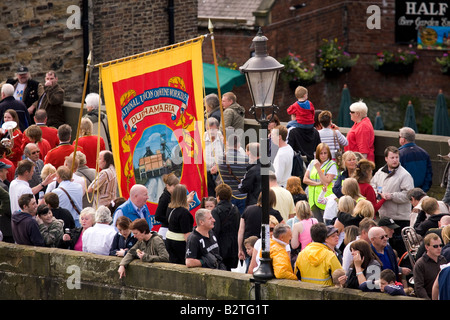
[8,89]
[408,133]
[359,107]
[93,100]
[415,193]
[280,229]
[212,122]
[212,100]
[86,212]
[103,215]
[200,215]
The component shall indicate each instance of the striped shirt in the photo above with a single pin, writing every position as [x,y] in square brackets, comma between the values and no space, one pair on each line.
[106,184]
[327,136]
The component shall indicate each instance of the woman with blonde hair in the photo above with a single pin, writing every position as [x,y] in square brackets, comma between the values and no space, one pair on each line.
[363,209]
[89,142]
[350,187]
[180,224]
[301,235]
[349,163]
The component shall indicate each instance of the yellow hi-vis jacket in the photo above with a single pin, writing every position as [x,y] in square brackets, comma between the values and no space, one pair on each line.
[314,191]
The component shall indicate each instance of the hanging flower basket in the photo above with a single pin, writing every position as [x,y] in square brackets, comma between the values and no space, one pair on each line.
[396,68]
[444,62]
[400,62]
[299,72]
[335,72]
[333,59]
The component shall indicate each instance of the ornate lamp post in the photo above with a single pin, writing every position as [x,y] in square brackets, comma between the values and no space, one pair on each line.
[262,73]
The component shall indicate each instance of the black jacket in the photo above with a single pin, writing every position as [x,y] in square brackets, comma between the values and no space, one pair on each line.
[423,224]
[304,141]
[19,107]
[31,93]
[161,210]
[26,230]
[226,228]
[251,183]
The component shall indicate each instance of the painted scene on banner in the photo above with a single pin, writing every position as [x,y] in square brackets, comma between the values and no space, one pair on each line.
[160,131]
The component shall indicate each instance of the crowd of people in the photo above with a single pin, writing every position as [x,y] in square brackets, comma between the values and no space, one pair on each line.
[334,218]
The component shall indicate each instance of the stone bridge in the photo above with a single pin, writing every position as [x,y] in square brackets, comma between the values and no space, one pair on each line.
[34,273]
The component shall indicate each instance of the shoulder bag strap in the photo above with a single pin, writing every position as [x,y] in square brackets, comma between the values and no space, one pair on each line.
[70,199]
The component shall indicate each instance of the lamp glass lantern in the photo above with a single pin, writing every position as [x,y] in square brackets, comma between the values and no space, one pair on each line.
[262,72]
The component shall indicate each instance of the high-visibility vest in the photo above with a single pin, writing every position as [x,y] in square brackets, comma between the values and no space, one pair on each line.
[314,191]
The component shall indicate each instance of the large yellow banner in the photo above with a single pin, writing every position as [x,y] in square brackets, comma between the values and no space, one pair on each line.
[154,105]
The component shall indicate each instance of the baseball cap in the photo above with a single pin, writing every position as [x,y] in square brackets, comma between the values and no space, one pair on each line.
[22,70]
[387,222]
[4,165]
[331,230]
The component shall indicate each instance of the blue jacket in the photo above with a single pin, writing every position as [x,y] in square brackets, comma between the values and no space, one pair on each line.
[127,209]
[417,162]
[388,254]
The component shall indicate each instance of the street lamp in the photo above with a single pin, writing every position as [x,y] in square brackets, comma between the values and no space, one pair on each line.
[261,72]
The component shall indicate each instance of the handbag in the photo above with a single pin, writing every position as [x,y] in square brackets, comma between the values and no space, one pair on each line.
[339,152]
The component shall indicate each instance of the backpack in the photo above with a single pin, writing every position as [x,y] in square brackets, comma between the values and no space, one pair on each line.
[298,165]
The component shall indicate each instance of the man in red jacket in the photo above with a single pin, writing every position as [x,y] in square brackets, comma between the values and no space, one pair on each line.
[48,133]
[57,155]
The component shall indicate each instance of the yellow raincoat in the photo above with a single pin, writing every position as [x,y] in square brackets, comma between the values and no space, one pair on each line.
[280,261]
[316,264]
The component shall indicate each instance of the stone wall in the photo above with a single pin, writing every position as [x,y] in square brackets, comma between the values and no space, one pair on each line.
[35,34]
[33,273]
[47,35]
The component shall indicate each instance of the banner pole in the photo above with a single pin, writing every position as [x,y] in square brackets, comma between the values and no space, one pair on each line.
[88,66]
[211,30]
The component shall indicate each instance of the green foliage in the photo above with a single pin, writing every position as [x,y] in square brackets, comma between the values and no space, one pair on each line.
[331,55]
[296,69]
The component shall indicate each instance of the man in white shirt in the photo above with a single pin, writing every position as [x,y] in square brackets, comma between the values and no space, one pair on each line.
[98,239]
[282,163]
[70,193]
[20,185]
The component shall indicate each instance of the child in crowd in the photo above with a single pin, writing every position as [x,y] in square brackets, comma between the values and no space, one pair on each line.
[124,240]
[249,244]
[386,284]
[208,203]
[339,278]
[303,109]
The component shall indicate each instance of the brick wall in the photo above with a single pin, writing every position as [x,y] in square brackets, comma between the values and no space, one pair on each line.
[302,31]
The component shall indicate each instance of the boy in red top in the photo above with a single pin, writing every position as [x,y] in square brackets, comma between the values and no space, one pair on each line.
[302,108]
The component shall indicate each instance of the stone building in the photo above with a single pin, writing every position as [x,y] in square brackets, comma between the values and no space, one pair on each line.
[58,35]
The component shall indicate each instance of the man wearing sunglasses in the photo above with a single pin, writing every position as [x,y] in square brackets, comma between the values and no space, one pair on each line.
[380,246]
[427,267]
